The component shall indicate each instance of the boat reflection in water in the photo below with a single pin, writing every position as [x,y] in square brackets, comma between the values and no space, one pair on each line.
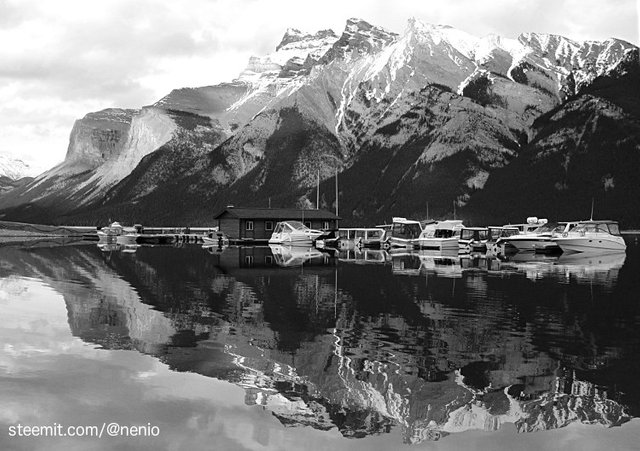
[589,267]
[296,255]
[117,247]
[367,348]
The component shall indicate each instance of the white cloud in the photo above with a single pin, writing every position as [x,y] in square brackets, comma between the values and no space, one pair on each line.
[60,60]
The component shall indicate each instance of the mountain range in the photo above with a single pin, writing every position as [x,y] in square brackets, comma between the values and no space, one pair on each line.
[432,122]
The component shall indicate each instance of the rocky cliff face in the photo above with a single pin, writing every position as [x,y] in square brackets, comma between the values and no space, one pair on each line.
[433,113]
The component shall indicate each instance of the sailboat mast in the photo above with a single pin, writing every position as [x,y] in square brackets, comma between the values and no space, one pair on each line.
[336,191]
[318,192]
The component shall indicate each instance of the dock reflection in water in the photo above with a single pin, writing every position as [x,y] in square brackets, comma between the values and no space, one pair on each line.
[368,342]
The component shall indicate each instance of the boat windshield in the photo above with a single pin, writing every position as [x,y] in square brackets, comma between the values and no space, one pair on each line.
[474,234]
[593,227]
[509,232]
[408,230]
[443,233]
[614,229]
[568,227]
[297,225]
[495,233]
[546,228]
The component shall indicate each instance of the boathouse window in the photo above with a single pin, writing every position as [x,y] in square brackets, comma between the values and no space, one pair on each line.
[249,225]
[268,225]
[307,224]
[248,260]
[325,225]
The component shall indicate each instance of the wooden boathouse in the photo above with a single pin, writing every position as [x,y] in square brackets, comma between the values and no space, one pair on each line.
[258,223]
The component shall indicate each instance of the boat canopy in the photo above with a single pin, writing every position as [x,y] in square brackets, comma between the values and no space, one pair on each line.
[474,233]
[610,227]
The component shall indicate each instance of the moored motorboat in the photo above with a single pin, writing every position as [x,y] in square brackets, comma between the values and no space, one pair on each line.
[592,235]
[404,233]
[495,242]
[441,236]
[119,233]
[361,237]
[295,233]
[473,239]
[541,238]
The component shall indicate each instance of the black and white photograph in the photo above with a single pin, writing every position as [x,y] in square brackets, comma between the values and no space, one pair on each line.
[273,225]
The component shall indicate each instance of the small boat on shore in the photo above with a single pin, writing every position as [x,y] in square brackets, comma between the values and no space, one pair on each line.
[592,235]
[294,233]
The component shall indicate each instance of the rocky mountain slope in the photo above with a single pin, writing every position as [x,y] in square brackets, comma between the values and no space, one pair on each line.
[585,149]
[412,122]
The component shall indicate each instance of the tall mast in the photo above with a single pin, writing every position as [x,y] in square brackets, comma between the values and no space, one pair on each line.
[336,191]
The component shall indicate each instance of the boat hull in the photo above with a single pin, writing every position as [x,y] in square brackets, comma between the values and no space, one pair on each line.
[591,244]
[403,243]
[467,246]
[533,244]
[293,239]
[439,244]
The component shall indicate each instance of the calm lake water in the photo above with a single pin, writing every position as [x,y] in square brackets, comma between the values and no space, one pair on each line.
[260,348]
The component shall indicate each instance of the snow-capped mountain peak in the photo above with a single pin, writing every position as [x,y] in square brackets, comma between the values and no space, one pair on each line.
[463,42]
[12,168]
[297,51]
[358,39]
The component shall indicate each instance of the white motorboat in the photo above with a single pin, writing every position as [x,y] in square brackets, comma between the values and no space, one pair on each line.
[351,238]
[119,233]
[497,234]
[294,233]
[541,238]
[533,222]
[602,235]
[441,236]
[473,239]
[404,233]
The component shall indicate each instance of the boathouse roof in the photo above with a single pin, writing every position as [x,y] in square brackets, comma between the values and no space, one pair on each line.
[275,213]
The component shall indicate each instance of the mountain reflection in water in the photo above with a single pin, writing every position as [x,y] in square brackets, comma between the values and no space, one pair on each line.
[367,341]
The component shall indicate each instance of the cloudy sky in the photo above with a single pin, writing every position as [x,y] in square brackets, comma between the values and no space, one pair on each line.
[61,59]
